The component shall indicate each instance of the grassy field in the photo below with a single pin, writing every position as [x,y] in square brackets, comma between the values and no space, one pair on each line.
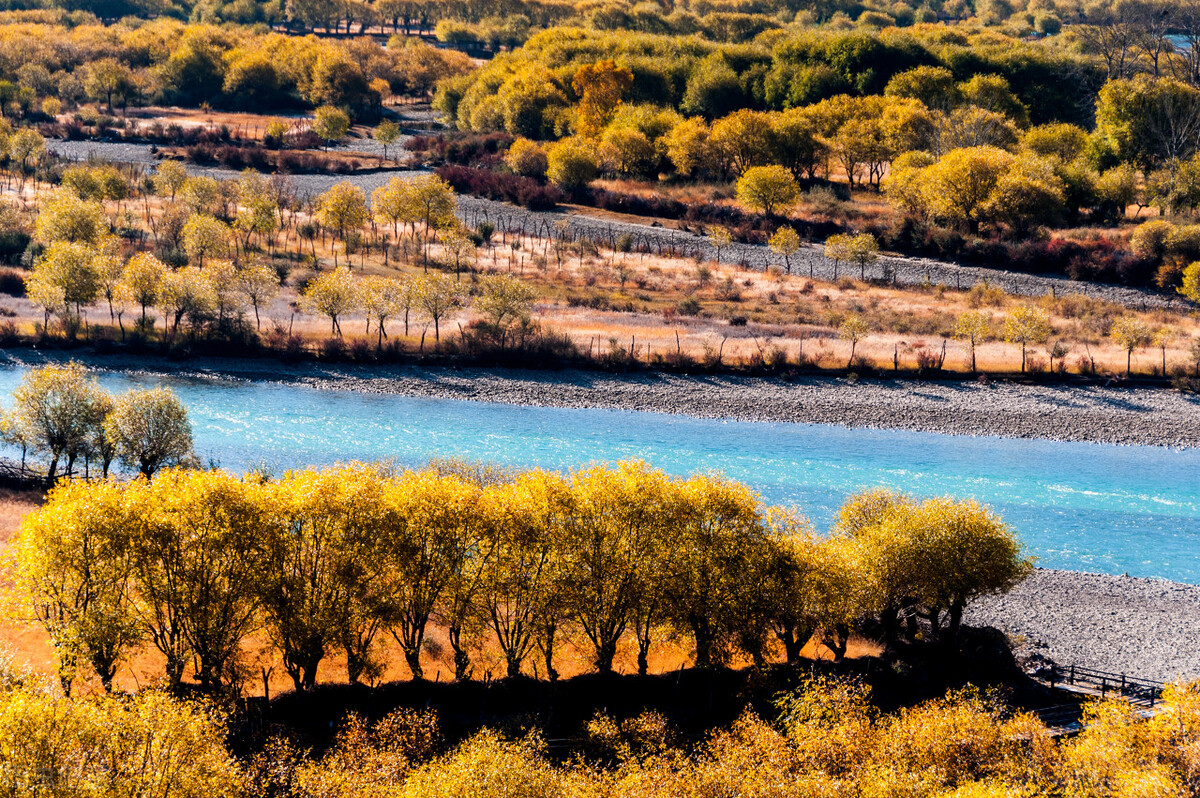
[715,314]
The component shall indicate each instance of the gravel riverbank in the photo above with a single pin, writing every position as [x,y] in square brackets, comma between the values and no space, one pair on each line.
[1147,628]
[1154,417]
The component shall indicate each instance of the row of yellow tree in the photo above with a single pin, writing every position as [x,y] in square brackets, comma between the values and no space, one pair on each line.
[329,561]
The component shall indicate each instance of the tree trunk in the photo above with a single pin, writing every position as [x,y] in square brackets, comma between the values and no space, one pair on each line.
[704,641]
[462,659]
[605,653]
[412,656]
[549,631]
[838,641]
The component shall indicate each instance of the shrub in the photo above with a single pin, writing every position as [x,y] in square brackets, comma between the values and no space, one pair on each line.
[463,149]
[12,283]
[502,186]
[526,158]
[572,163]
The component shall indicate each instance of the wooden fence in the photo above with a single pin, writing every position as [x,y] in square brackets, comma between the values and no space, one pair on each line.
[1133,689]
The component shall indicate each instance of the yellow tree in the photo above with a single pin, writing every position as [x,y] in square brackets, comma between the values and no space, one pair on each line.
[429,523]
[526,158]
[186,292]
[431,202]
[143,278]
[794,614]
[962,550]
[1190,283]
[109,267]
[330,124]
[169,177]
[383,298]
[882,557]
[972,326]
[1163,336]
[743,139]
[957,188]
[257,212]
[1026,325]
[310,574]
[149,429]
[716,562]
[392,203]
[386,133]
[48,296]
[785,243]
[65,217]
[259,283]
[610,526]
[719,238]
[853,329]
[333,294]
[458,249]
[73,573]
[57,409]
[600,87]
[229,301]
[26,145]
[70,268]
[205,236]
[201,193]
[572,163]
[197,550]
[863,250]
[503,301]
[521,584]
[687,145]
[437,296]
[839,248]
[342,208]
[767,189]
[1130,333]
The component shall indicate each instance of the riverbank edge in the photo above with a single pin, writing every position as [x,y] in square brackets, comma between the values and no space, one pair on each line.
[1071,413]
[1117,623]
[1143,627]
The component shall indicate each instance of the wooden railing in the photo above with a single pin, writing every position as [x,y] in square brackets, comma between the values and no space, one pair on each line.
[1133,689]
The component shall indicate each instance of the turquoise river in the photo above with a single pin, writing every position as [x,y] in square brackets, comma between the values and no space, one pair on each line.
[1089,507]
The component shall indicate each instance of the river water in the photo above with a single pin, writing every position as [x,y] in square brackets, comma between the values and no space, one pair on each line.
[1080,506]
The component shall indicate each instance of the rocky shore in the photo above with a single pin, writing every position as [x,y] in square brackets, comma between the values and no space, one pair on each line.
[1148,628]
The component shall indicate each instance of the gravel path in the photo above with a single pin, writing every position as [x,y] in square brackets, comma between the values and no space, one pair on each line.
[809,260]
[1140,627]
